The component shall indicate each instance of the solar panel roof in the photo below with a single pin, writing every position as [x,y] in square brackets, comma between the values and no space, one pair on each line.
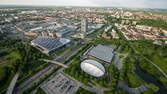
[50,43]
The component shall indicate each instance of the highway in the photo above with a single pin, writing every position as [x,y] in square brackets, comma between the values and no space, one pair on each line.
[35,78]
[68,53]
[12,84]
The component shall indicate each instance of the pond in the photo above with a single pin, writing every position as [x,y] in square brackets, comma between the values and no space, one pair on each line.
[150,79]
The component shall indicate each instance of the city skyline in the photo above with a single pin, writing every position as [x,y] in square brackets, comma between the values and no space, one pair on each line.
[92,3]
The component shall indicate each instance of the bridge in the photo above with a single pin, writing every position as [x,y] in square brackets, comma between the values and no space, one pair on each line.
[55,62]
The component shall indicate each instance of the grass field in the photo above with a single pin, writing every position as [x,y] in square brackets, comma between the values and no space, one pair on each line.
[13,56]
[153,52]
[83,91]
[5,65]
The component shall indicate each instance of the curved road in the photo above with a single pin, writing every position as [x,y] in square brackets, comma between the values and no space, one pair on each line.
[12,84]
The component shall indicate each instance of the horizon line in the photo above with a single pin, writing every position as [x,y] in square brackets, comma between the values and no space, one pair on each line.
[19,5]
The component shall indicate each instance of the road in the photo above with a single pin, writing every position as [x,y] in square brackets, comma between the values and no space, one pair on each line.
[68,53]
[34,78]
[12,84]
[118,62]
[60,70]
[54,62]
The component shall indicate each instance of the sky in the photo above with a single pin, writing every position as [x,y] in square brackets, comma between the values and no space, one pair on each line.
[93,3]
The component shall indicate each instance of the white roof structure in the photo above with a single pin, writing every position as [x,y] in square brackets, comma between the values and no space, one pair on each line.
[48,44]
[102,52]
[93,68]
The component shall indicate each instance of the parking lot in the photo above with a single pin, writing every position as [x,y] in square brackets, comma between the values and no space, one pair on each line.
[60,84]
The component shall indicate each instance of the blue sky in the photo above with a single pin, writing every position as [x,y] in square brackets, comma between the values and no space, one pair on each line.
[100,3]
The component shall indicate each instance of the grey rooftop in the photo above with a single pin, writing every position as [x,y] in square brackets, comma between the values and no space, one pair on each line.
[102,52]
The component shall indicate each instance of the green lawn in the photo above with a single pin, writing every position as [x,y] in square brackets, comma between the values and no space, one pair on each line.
[5,77]
[157,54]
[153,52]
[133,80]
[13,56]
[83,91]
[18,57]
[161,62]
[128,74]
[10,57]
[6,66]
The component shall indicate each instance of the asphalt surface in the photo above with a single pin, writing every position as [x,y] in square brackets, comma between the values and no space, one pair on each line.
[34,78]
[12,84]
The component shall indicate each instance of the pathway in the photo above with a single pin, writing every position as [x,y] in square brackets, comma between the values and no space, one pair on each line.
[137,90]
[118,61]
[96,89]
[165,75]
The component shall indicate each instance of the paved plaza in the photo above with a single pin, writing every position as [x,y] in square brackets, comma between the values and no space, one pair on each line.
[60,84]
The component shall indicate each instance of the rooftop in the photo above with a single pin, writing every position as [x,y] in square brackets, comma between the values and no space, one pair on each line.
[48,43]
[102,52]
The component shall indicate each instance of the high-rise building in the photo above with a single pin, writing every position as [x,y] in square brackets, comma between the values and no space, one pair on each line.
[84,25]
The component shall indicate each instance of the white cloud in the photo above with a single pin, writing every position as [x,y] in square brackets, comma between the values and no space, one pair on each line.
[115,3]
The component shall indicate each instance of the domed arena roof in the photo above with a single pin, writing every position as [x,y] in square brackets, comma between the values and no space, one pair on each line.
[93,68]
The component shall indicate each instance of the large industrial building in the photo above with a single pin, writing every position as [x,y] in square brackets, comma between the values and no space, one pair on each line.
[93,68]
[102,53]
[48,44]
[65,32]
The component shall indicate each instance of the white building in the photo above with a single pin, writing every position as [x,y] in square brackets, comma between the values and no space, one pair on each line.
[93,68]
